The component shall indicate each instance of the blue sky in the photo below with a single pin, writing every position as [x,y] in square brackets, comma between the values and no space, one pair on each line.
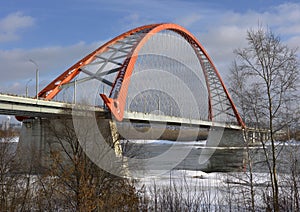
[56,34]
[65,22]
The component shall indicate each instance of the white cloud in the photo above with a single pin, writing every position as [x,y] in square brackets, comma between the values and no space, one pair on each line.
[228,31]
[220,43]
[52,61]
[291,11]
[294,42]
[188,20]
[11,25]
[133,20]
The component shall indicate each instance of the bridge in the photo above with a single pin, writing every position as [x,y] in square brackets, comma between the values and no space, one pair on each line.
[158,67]
[24,107]
[157,74]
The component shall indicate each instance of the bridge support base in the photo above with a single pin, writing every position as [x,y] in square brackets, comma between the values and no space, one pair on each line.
[41,137]
[225,151]
[109,131]
[31,145]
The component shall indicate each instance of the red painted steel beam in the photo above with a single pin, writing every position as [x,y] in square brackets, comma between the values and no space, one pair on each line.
[51,90]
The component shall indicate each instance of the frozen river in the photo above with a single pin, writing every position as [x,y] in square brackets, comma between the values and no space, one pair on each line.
[218,183]
[163,161]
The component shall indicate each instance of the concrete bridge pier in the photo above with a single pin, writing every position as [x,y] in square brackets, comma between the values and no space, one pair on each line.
[109,131]
[224,150]
[41,136]
[31,145]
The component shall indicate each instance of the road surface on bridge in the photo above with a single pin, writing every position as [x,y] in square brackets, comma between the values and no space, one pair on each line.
[31,107]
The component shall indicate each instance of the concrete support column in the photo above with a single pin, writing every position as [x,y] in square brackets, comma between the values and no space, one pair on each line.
[109,131]
[37,135]
[115,138]
[226,147]
[31,145]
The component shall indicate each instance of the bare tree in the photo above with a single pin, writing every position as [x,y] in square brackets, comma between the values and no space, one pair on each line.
[265,76]
[247,98]
[15,186]
[74,182]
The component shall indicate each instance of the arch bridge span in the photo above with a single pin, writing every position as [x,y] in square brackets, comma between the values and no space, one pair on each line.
[159,69]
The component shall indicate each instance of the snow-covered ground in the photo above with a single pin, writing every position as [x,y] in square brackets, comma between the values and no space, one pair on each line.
[10,140]
[197,143]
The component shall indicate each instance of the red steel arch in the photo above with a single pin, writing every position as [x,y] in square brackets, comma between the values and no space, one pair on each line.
[51,90]
[117,104]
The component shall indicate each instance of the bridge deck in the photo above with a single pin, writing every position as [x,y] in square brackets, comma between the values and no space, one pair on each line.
[176,120]
[22,106]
